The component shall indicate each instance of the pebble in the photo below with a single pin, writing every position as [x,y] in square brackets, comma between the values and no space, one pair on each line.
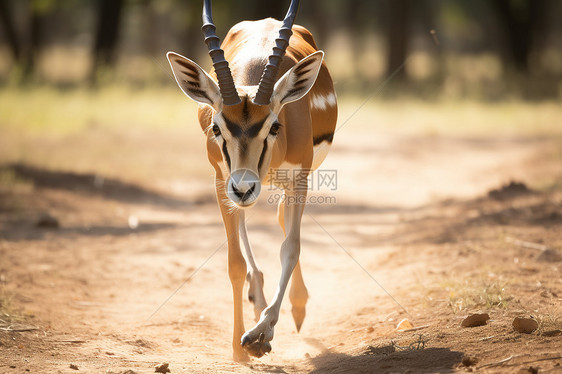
[405,324]
[47,221]
[524,325]
[473,320]
[162,368]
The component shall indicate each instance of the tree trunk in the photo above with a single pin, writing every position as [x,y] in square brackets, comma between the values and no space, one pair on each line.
[107,33]
[9,30]
[34,41]
[399,12]
[522,22]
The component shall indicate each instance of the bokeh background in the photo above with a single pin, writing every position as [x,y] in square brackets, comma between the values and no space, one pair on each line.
[485,49]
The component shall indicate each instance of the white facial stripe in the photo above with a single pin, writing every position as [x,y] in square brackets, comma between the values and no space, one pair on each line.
[322,102]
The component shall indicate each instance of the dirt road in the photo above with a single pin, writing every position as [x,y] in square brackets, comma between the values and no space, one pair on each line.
[136,275]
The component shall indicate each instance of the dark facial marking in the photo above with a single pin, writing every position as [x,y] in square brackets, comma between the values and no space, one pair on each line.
[245,110]
[262,153]
[237,131]
[324,137]
[243,144]
[234,129]
[226,156]
[254,130]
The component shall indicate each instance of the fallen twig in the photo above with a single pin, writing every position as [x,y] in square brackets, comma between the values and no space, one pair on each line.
[415,328]
[537,360]
[486,338]
[497,363]
[524,244]
[19,329]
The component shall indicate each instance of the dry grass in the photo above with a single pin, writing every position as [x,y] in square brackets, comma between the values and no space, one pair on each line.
[479,293]
[76,129]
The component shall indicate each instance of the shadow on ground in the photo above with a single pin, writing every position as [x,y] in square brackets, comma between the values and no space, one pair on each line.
[92,184]
[387,359]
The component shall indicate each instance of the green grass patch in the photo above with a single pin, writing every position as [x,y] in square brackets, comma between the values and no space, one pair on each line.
[55,111]
[483,294]
[452,117]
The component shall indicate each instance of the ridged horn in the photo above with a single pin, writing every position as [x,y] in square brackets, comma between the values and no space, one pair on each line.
[224,76]
[269,77]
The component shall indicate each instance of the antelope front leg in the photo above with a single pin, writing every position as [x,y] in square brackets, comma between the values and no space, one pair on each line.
[236,273]
[256,341]
[298,293]
[255,275]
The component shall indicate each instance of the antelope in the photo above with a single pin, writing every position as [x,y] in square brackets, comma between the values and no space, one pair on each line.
[256,124]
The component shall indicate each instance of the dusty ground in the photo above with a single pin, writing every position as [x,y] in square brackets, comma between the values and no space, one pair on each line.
[413,215]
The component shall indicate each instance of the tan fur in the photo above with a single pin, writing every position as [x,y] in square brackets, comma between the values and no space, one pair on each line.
[307,127]
[247,46]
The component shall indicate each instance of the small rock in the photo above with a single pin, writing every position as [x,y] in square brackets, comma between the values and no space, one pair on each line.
[47,221]
[529,370]
[405,324]
[370,329]
[511,190]
[524,325]
[473,320]
[73,367]
[549,255]
[469,361]
[552,333]
[162,368]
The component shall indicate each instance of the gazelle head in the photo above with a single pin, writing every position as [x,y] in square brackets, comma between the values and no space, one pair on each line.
[245,121]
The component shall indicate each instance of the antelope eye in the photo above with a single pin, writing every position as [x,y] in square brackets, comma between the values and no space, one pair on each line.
[274,130]
[216,130]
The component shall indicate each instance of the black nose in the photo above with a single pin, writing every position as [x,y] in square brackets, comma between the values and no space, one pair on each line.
[243,196]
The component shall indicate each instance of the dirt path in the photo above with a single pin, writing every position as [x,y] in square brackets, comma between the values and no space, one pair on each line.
[412,216]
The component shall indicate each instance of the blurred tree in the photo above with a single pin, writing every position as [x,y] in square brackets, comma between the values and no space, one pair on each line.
[397,36]
[259,9]
[523,22]
[107,34]
[26,47]
[36,11]
[8,26]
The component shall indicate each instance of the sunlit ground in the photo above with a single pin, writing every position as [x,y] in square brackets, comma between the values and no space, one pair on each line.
[412,208]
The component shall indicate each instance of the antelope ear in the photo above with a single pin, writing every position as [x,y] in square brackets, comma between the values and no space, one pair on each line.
[194,81]
[296,83]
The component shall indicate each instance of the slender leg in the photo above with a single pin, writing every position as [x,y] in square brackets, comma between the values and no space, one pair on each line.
[236,272]
[298,296]
[298,293]
[255,275]
[256,341]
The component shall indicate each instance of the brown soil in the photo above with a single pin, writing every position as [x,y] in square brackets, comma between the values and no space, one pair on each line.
[424,217]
